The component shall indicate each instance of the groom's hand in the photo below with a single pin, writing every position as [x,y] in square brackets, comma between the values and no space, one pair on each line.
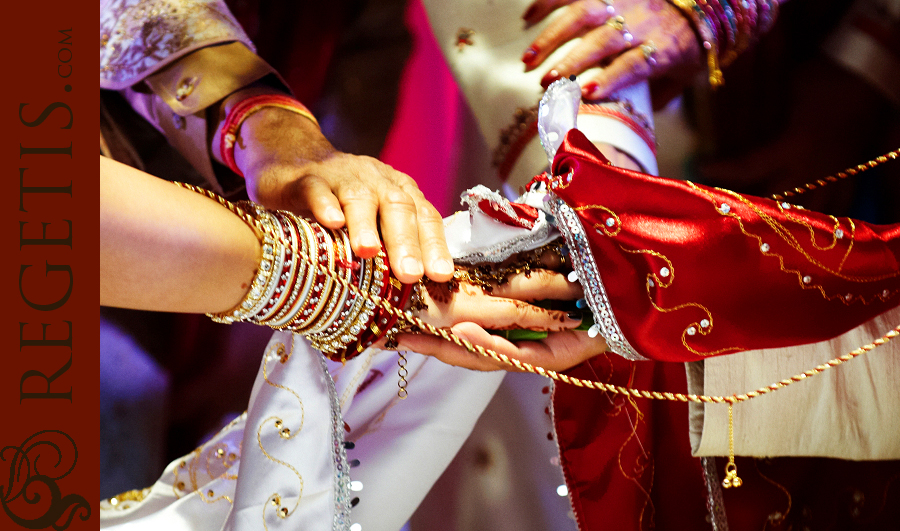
[290,165]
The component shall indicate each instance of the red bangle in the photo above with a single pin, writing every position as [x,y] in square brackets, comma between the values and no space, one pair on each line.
[245,108]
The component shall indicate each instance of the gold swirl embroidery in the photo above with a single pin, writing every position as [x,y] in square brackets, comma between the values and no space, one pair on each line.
[605,229]
[670,278]
[849,247]
[811,229]
[282,355]
[620,407]
[191,465]
[638,467]
[788,238]
[834,233]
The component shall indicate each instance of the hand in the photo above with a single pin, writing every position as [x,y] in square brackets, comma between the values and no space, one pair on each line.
[662,44]
[289,165]
[469,313]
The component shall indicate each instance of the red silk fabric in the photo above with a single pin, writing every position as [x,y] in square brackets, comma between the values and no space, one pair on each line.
[627,461]
[693,271]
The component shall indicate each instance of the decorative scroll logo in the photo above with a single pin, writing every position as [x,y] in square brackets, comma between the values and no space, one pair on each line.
[31,497]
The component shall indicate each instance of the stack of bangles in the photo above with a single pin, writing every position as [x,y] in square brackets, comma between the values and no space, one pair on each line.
[303,283]
[725,28]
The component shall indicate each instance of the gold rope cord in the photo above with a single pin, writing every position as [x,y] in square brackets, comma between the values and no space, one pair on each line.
[849,172]
[525,366]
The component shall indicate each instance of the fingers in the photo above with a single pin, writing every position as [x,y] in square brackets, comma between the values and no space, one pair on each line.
[539,9]
[313,193]
[596,46]
[540,284]
[577,19]
[399,225]
[470,304]
[625,70]
[661,35]
[558,352]
[435,254]
[455,355]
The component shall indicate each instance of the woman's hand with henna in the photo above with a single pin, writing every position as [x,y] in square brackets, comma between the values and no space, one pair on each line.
[632,40]
[469,313]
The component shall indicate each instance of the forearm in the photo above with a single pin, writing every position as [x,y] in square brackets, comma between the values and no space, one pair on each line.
[168,249]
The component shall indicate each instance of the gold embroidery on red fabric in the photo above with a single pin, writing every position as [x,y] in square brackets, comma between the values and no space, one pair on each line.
[811,229]
[789,238]
[607,230]
[670,278]
[638,467]
[849,247]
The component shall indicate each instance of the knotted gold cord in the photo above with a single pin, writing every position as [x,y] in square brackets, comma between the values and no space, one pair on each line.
[528,367]
[731,477]
[849,172]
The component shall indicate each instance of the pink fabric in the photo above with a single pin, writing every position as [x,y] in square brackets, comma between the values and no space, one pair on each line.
[426,118]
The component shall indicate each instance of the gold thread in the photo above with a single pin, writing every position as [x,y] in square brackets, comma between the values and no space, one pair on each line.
[696,325]
[780,258]
[411,319]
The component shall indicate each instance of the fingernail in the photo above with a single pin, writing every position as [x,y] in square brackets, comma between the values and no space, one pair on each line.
[529,55]
[442,266]
[354,463]
[412,266]
[573,276]
[354,502]
[589,89]
[369,239]
[549,77]
[581,303]
[575,316]
[349,445]
[529,12]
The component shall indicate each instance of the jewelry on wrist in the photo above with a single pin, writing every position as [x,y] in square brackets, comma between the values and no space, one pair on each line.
[309,282]
[243,110]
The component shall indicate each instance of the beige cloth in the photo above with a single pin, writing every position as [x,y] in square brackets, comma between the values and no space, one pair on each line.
[172,60]
[849,412]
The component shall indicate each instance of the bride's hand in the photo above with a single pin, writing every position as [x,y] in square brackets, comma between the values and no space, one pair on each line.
[558,351]
[469,313]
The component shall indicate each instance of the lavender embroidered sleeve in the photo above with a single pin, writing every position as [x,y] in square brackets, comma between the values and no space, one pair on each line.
[173,59]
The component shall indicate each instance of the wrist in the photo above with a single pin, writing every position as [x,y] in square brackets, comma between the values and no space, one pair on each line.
[251,116]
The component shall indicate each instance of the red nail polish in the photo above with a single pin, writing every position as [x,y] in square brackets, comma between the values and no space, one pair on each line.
[529,55]
[549,77]
[589,89]
[529,12]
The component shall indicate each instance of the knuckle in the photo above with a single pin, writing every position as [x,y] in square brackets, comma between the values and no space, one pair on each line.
[397,198]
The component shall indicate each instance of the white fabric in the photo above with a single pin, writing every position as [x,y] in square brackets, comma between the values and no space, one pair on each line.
[211,490]
[402,446]
[491,75]
[848,412]
[474,237]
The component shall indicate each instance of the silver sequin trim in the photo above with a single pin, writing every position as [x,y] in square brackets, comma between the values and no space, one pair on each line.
[341,467]
[499,253]
[583,261]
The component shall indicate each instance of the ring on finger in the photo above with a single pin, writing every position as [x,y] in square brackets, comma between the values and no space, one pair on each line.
[618,23]
[649,50]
